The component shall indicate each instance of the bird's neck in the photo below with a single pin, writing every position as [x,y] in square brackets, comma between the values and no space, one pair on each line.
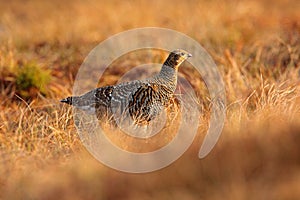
[168,76]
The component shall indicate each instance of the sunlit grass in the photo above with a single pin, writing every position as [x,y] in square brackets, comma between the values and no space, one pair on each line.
[256,46]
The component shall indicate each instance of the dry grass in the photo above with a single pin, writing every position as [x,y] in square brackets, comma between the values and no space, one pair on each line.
[256,45]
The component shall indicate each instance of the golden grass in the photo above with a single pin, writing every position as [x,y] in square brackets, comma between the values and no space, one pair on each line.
[256,45]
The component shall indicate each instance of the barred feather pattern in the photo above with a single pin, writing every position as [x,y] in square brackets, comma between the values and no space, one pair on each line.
[143,100]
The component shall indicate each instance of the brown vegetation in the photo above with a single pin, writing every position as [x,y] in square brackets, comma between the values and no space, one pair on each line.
[256,45]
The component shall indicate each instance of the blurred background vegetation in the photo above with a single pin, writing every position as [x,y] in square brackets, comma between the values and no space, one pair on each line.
[256,45]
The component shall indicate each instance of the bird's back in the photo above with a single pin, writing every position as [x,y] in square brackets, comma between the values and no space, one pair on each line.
[142,100]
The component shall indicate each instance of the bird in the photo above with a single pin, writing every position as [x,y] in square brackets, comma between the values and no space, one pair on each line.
[141,100]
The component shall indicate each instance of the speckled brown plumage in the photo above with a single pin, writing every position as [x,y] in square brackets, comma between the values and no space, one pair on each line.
[142,99]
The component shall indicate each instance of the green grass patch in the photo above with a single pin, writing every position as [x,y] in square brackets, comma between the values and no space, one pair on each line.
[31,79]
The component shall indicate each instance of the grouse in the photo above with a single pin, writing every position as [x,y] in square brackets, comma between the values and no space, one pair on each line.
[142,100]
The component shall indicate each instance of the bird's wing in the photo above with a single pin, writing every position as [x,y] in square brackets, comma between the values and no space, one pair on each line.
[147,101]
[123,91]
[103,95]
[106,96]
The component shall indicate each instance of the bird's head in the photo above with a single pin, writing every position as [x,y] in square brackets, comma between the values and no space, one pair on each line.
[177,57]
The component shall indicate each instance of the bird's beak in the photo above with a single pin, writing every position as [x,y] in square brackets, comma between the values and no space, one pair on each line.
[189,55]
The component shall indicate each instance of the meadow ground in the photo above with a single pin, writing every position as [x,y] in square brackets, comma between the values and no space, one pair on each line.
[256,46]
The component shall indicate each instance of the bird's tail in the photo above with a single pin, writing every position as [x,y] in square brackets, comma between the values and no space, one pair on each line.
[67,100]
[81,103]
